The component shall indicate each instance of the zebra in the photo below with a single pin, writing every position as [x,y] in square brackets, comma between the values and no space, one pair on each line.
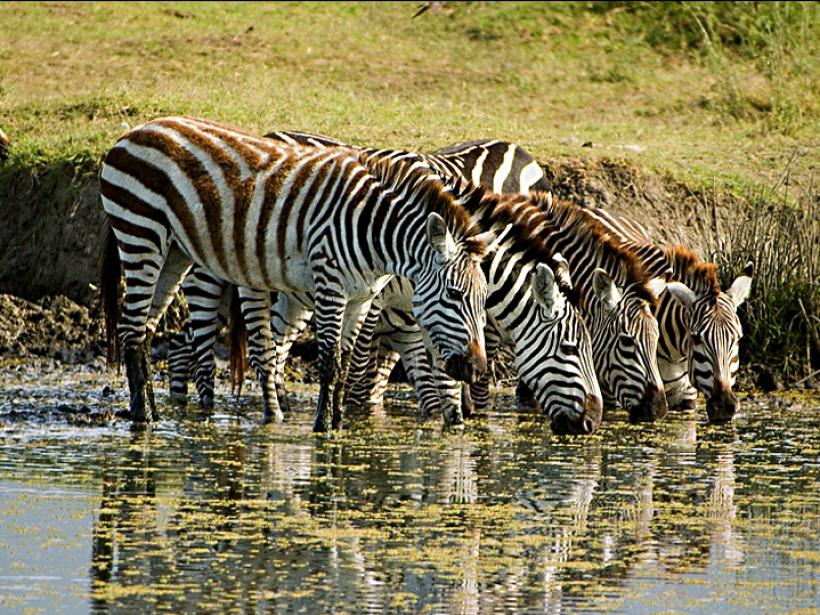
[626,348]
[468,161]
[700,330]
[268,216]
[500,164]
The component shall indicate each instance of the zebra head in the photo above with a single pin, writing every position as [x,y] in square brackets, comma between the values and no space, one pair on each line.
[449,300]
[714,340]
[625,346]
[554,353]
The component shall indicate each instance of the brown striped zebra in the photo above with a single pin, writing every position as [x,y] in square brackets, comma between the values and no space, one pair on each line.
[625,335]
[617,297]
[270,216]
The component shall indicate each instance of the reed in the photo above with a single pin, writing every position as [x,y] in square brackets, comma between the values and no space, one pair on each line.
[781,319]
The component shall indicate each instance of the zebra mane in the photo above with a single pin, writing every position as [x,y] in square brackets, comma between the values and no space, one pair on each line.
[581,222]
[699,276]
[529,226]
[443,199]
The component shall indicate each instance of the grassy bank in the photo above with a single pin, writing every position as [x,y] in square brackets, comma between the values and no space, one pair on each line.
[666,87]
[721,97]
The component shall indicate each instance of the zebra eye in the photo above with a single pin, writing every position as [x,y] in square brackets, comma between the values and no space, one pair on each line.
[569,348]
[696,338]
[453,293]
[626,340]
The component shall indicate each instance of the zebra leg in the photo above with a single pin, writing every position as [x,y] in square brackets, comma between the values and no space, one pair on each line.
[364,360]
[179,364]
[150,285]
[367,387]
[449,394]
[383,362]
[416,361]
[207,296]
[289,316]
[523,394]
[330,312]
[480,390]
[255,307]
[356,313]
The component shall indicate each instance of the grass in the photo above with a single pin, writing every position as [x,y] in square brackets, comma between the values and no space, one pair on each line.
[781,319]
[550,76]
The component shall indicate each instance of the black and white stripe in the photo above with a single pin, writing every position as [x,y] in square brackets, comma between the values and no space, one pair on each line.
[269,216]
[700,331]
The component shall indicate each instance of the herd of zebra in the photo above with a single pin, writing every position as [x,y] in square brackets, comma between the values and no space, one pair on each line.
[438,259]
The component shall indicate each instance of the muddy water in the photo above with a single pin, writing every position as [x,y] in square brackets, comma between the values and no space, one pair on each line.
[389,515]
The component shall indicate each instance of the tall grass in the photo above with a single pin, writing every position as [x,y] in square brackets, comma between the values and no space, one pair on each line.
[781,319]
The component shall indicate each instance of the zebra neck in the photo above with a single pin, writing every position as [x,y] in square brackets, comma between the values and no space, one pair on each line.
[402,247]
[507,273]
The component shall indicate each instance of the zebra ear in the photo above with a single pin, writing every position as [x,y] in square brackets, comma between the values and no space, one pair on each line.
[681,293]
[605,289]
[739,290]
[439,237]
[544,288]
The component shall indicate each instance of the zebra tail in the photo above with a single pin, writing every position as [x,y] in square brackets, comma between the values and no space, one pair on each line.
[110,269]
[237,343]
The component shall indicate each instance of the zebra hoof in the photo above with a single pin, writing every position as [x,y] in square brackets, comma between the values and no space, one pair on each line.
[206,402]
[179,400]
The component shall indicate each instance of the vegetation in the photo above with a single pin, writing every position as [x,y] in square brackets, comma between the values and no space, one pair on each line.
[781,319]
[712,94]
[643,82]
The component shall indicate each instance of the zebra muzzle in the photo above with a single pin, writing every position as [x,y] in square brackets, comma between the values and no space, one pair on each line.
[722,404]
[467,367]
[571,422]
[652,406]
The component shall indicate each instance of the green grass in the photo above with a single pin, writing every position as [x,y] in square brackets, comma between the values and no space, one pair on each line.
[549,76]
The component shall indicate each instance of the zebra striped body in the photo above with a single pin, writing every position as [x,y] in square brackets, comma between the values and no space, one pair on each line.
[501,166]
[699,328]
[269,216]
[496,163]
[624,328]
[615,294]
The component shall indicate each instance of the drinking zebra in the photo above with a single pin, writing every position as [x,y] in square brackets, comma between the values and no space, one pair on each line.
[494,163]
[268,216]
[617,297]
[700,330]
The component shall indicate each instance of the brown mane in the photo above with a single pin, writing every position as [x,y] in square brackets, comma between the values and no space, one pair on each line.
[631,271]
[699,276]
[529,224]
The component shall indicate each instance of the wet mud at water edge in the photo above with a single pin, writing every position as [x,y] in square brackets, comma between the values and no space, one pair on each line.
[390,515]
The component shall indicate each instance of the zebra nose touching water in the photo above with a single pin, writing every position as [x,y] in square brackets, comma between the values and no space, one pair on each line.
[268,216]
[710,355]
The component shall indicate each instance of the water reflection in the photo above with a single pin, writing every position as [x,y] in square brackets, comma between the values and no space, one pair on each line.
[392,516]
